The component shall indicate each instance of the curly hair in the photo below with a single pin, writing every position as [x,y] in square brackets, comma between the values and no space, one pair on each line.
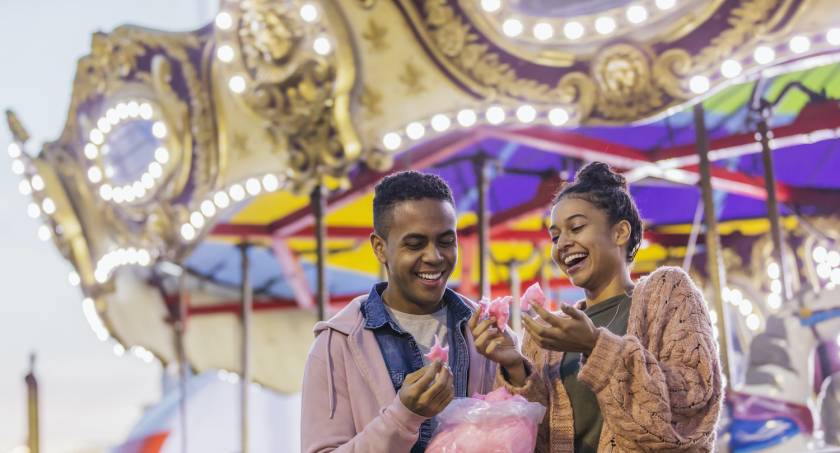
[598,184]
[404,186]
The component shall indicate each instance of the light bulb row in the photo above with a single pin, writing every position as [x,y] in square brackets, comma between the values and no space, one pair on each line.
[494,115]
[132,110]
[517,26]
[120,257]
[208,208]
[745,308]
[828,264]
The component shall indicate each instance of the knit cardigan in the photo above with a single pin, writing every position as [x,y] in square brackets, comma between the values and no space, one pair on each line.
[658,386]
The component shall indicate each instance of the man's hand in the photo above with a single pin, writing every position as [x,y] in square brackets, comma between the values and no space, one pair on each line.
[428,390]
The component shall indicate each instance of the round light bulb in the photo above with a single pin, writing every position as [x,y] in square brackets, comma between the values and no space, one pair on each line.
[322,45]
[824,270]
[221,200]
[799,44]
[665,4]
[699,84]
[162,155]
[637,14]
[835,276]
[237,192]
[392,141]
[495,115]
[24,187]
[48,206]
[773,270]
[558,116]
[745,307]
[94,174]
[833,258]
[18,167]
[526,113]
[730,69]
[440,122]
[237,84]
[225,53]
[512,27]
[491,6]
[91,151]
[753,322]
[764,54]
[208,208]
[309,13]
[776,286]
[73,278]
[820,254]
[14,150]
[833,36]
[774,301]
[543,31]
[105,192]
[159,129]
[197,220]
[224,20]
[270,183]
[44,233]
[252,186]
[187,232]
[97,137]
[33,210]
[466,118]
[146,111]
[37,183]
[605,25]
[573,30]
[415,130]
[155,169]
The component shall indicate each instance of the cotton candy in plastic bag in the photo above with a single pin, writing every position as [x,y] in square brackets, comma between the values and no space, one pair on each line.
[494,423]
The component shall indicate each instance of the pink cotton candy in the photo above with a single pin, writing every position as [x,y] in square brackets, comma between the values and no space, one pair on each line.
[500,394]
[533,296]
[494,423]
[500,309]
[438,352]
[484,308]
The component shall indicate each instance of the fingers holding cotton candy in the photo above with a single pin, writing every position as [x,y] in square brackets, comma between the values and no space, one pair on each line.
[500,309]
[533,296]
[438,352]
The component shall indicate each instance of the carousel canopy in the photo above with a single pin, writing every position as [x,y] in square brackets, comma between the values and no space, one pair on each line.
[181,147]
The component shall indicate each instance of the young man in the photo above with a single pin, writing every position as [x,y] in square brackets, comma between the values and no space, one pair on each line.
[367,386]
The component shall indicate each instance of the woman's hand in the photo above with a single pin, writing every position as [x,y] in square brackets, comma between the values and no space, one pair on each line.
[572,333]
[498,346]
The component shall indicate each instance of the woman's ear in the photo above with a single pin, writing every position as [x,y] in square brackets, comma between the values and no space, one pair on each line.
[621,232]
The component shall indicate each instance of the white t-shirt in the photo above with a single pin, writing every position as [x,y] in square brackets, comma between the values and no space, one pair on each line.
[423,328]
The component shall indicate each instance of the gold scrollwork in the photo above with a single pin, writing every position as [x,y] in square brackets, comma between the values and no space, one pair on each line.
[624,82]
[304,95]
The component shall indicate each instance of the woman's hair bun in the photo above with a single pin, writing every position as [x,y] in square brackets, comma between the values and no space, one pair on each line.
[599,174]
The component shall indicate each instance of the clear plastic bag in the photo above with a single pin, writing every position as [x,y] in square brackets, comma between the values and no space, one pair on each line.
[494,423]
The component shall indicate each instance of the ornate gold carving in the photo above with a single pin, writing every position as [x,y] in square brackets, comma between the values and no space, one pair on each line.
[16,128]
[303,95]
[239,142]
[623,75]
[371,100]
[748,20]
[624,83]
[412,79]
[375,34]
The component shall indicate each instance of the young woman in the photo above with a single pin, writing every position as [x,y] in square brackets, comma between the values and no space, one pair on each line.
[634,366]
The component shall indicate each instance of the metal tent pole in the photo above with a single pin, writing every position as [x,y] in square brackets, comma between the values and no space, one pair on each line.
[319,209]
[247,310]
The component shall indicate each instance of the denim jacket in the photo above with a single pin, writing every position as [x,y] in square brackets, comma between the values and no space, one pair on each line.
[402,355]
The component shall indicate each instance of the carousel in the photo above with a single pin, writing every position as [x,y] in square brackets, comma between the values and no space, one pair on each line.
[212,189]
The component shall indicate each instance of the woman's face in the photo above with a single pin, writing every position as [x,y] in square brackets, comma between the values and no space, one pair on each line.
[586,247]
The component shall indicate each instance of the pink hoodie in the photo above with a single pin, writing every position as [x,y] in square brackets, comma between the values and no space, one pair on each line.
[349,403]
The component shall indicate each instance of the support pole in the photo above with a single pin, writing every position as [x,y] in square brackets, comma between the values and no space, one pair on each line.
[247,309]
[34,436]
[483,184]
[179,326]
[319,209]
[764,136]
[515,290]
[716,270]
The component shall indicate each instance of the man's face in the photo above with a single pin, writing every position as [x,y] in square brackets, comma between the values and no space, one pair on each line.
[420,252]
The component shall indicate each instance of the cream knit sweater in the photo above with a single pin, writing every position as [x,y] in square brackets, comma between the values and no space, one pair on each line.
[658,387]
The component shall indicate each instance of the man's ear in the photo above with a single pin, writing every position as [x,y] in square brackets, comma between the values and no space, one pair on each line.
[621,232]
[378,245]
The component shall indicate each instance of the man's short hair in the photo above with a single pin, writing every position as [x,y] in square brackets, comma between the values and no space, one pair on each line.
[404,186]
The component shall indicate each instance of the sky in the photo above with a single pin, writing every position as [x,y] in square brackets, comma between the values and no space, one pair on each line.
[90,398]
